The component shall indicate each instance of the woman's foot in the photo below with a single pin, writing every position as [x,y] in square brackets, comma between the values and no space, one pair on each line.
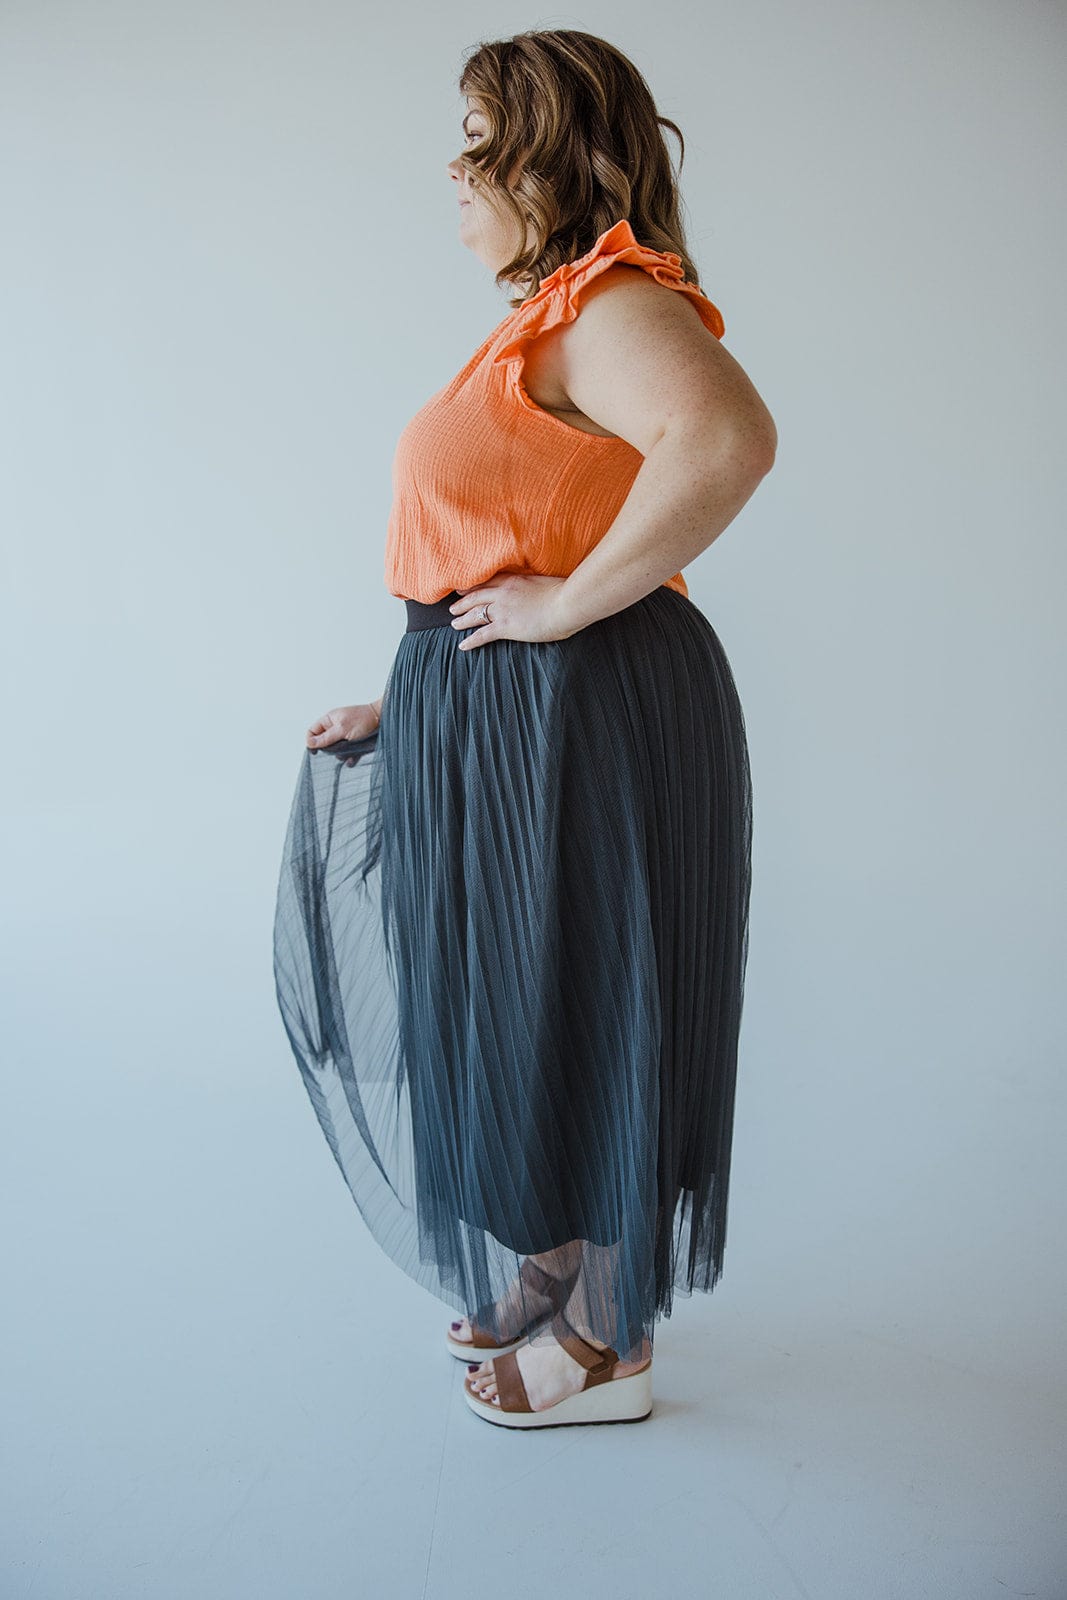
[549,1374]
[513,1314]
[523,1305]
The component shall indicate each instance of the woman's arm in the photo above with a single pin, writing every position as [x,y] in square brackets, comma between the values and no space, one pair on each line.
[640,362]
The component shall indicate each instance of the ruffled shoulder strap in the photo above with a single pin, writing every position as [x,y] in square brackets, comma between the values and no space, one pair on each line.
[559,296]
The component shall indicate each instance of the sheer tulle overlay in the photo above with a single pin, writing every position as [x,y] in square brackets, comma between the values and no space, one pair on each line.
[509,954]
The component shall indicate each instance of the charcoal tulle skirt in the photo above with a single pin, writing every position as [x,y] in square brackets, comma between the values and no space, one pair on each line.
[509,954]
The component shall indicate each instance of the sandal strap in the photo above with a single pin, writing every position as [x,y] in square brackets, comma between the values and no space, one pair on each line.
[509,1384]
[481,1338]
[597,1363]
[534,1278]
[537,1279]
[554,1290]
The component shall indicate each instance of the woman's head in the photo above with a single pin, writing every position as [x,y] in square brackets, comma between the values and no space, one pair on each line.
[561,139]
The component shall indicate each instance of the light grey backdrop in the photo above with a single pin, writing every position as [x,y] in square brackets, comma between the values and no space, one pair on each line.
[231,272]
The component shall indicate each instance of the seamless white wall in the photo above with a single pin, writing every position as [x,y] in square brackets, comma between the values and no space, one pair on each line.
[229,274]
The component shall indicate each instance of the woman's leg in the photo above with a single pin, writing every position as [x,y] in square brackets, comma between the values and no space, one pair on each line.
[549,1372]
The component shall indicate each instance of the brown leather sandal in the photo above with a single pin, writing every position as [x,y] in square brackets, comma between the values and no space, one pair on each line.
[602,1398]
[534,1280]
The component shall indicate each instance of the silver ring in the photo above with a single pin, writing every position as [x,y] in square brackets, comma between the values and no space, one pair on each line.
[485,611]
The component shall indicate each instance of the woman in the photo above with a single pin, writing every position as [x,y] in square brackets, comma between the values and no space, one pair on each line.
[511,930]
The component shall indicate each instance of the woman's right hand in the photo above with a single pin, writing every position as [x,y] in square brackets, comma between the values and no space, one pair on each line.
[344,722]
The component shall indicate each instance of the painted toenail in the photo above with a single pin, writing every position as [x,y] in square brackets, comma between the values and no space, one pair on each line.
[455,1325]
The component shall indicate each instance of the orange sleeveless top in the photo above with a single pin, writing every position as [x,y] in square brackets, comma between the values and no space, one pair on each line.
[484,480]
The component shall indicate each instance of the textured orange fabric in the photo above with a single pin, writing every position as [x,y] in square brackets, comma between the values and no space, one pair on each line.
[484,480]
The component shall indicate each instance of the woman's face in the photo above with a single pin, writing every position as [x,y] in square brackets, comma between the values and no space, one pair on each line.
[483,227]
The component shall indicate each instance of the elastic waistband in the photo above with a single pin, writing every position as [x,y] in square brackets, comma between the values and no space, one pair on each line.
[431,613]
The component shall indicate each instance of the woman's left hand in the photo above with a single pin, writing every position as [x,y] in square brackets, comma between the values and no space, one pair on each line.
[522,605]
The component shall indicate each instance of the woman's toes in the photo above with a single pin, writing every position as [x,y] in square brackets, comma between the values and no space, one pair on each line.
[461,1330]
[488,1387]
[481,1380]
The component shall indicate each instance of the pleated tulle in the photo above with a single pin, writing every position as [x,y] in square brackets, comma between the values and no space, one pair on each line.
[509,952]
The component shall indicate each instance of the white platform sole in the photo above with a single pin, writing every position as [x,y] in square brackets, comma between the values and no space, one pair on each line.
[619,1400]
[485,1352]
[470,1352]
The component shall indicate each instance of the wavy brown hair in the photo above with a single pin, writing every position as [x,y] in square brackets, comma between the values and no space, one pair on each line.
[573,143]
